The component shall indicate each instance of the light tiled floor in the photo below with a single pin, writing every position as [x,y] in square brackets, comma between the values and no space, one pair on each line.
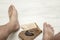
[38,11]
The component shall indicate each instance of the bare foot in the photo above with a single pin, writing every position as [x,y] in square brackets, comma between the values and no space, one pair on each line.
[10,27]
[13,16]
[48,32]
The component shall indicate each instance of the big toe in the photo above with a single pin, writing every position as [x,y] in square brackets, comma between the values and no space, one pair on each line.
[10,10]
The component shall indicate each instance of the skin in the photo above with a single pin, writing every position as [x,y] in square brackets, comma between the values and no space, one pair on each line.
[11,26]
[57,36]
[48,32]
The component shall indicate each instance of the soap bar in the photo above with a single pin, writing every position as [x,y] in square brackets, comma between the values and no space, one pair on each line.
[30,32]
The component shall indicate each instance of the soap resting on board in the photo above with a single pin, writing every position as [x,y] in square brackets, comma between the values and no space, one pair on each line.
[30,32]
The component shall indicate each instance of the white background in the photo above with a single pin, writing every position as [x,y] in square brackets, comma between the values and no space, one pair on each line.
[30,11]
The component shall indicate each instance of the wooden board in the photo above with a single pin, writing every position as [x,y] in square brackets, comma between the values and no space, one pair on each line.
[30,32]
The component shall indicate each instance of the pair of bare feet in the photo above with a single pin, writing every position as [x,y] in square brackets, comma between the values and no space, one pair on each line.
[13,25]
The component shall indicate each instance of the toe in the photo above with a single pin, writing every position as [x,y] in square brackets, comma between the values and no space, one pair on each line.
[50,26]
[10,10]
[45,25]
